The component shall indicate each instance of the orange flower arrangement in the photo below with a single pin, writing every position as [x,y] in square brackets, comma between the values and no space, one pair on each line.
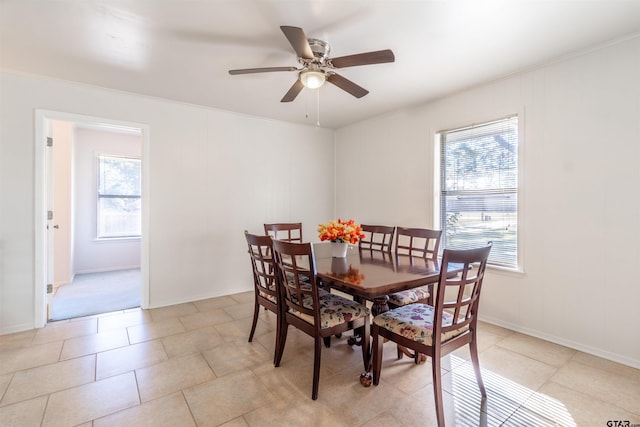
[341,231]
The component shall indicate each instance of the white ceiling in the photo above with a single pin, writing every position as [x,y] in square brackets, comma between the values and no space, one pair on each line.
[182,49]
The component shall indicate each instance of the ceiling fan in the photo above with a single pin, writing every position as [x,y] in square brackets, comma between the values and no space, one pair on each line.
[317,67]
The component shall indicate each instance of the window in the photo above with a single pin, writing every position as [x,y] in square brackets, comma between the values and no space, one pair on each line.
[118,197]
[479,189]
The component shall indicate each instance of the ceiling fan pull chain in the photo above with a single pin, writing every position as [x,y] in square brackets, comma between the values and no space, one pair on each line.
[318,107]
[306,114]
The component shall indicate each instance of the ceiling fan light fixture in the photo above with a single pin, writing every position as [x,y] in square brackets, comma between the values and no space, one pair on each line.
[317,66]
[312,79]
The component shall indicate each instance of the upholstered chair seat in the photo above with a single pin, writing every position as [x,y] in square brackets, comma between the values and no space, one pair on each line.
[271,298]
[409,296]
[415,321]
[334,310]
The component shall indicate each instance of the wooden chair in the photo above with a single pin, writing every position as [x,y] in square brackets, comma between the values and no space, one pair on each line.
[287,231]
[421,243]
[267,292]
[318,314]
[438,330]
[418,242]
[377,238]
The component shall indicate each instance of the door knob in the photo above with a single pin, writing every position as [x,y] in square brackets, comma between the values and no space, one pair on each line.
[56,226]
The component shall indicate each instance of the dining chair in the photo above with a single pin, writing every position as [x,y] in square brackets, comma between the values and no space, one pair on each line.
[317,314]
[418,242]
[438,330]
[287,231]
[267,292]
[377,238]
[421,243]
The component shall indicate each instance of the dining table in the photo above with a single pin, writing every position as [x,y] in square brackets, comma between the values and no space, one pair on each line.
[373,275]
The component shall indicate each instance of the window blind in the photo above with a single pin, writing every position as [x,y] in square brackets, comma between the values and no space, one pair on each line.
[479,188]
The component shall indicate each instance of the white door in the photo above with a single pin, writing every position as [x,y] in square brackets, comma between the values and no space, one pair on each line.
[50,222]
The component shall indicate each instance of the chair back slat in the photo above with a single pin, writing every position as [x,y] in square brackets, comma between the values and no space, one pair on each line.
[418,242]
[262,264]
[377,238]
[459,295]
[287,231]
[296,272]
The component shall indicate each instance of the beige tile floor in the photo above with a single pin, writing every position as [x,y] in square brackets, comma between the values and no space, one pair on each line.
[191,365]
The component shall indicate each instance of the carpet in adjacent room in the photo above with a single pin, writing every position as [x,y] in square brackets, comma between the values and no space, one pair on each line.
[95,293]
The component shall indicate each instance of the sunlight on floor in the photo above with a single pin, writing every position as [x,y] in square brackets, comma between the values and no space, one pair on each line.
[505,397]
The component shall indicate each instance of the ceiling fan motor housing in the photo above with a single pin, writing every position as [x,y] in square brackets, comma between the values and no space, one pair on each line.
[320,49]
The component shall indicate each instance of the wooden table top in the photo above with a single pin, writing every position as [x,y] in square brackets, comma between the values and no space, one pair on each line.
[372,274]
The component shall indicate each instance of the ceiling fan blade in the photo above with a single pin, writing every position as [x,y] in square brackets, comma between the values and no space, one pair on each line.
[298,41]
[293,91]
[261,70]
[347,85]
[368,58]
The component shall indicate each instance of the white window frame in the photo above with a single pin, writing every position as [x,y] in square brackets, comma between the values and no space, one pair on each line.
[518,266]
[106,237]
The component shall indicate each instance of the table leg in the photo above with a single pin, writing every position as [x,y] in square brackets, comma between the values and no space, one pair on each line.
[354,339]
[380,305]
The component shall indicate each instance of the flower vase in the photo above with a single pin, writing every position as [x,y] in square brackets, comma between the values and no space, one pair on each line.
[339,249]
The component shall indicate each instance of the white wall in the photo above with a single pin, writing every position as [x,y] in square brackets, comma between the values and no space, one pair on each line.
[580,210]
[213,174]
[91,255]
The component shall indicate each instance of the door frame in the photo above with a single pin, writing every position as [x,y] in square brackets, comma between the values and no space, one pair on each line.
[42,254]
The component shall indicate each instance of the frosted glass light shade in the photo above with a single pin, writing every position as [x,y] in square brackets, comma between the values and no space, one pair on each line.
[312,79]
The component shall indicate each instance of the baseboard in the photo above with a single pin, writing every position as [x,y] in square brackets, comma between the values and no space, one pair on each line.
[166,303]
[17,328]
[614,357]
[103,270]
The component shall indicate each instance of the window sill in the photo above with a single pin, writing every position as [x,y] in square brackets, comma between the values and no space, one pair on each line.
[116,239]
[516,271]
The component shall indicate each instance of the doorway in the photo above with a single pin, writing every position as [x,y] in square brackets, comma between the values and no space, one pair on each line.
[68,250]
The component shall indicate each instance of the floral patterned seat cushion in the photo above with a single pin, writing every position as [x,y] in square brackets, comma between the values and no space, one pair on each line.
[268,296]
[409,296]
[303,278]
[334,310]
[415,321]
[272,288]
